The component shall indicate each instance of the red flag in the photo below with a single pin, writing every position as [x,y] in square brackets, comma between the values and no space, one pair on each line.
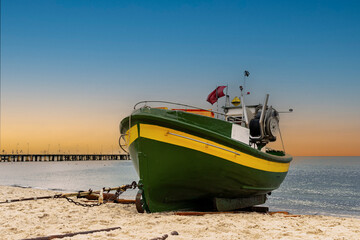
[216,94]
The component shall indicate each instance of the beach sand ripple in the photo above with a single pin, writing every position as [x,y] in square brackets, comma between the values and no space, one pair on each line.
[39,218]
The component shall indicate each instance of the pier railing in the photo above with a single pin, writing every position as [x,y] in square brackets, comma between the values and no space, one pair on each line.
[61,157]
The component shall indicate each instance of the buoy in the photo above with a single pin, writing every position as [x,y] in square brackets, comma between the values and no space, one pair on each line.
[236,101]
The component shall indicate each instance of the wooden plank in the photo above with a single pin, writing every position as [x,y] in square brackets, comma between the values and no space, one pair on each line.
[73,234]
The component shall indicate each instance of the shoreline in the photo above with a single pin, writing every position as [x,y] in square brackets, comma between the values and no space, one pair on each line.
[132,196]
[30,219]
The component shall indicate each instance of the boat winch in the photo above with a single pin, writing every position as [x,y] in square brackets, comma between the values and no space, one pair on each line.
[264,126]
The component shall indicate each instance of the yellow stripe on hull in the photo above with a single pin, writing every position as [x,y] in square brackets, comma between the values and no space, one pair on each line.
[163,134]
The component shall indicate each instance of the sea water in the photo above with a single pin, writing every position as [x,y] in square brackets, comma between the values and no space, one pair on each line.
[320,185]
[68,176]
[314,185]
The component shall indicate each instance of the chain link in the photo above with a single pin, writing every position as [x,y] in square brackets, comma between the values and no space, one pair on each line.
[82,204]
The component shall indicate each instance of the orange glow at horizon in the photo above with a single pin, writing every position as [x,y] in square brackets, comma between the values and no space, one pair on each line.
[85,132]
[303,137]
[65,133]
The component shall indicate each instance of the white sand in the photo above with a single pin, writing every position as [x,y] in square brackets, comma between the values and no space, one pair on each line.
[39,218]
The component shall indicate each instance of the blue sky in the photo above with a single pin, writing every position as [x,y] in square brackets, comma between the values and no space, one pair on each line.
[88,59]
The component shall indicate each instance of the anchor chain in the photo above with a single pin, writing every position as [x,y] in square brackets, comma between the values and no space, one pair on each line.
[82,204]
[118,192]
[79,194]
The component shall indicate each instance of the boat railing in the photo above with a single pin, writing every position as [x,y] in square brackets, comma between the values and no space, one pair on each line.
[179,104]
[208,144]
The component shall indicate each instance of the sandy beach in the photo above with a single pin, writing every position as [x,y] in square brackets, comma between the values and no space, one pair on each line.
[46,217]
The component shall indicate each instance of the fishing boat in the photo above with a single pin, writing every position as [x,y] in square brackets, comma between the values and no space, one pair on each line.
[188,159]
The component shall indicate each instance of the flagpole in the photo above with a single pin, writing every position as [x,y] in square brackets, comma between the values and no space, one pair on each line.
[217,101]
[227,100]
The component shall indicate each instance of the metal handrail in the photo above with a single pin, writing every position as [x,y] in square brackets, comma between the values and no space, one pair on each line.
[122,136]
[174,134]
[179,104]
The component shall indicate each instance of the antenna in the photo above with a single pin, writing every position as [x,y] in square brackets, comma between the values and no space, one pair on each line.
[246,74]
[289,111]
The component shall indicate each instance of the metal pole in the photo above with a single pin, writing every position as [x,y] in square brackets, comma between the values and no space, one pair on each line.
[217,101]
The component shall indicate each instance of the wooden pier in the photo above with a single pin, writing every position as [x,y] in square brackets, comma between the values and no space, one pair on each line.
[61,157]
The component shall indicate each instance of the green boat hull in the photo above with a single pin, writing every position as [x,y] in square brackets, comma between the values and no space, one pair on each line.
[184,164]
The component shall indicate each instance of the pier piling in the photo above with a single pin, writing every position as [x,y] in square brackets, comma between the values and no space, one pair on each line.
[61,157]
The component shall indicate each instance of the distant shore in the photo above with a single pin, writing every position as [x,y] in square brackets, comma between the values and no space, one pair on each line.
[40,218]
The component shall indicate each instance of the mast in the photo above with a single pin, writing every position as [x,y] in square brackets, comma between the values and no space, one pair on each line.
[227,100]
[217,101]
[246,74]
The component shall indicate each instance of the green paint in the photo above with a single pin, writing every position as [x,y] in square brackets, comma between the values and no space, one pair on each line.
[178,178]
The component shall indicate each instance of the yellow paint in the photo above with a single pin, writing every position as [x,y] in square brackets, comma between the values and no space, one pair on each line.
[236,101]
[133,135]
[162,134]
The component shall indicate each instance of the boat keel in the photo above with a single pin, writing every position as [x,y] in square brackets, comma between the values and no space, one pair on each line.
[229,204]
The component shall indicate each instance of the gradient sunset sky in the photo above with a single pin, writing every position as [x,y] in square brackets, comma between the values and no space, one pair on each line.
[71,69]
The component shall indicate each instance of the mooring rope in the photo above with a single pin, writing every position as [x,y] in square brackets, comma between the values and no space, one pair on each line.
[282,142]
